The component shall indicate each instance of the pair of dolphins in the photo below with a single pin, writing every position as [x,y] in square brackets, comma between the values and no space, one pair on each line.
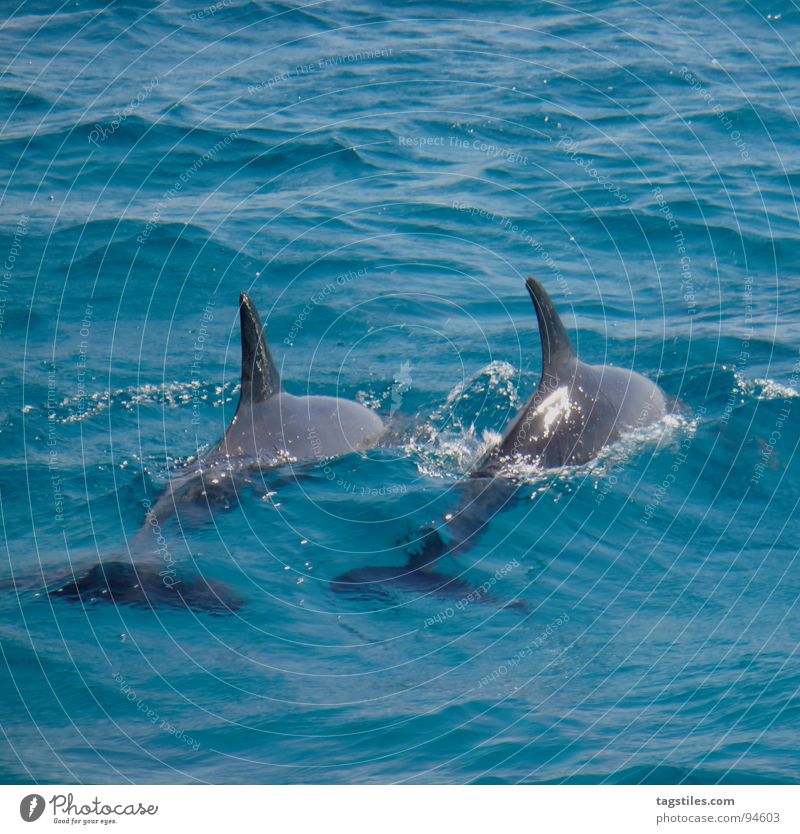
[575,412]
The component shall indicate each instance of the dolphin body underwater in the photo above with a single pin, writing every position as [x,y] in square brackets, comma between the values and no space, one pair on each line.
[577,410]
[270,429]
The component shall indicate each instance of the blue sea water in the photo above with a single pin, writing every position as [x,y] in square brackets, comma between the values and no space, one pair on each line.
[381,177]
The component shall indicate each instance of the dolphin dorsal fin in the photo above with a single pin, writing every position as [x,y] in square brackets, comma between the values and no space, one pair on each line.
[260,377]
[556,345]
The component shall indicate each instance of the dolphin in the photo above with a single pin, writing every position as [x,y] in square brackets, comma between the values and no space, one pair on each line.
[577,410]
[270,429]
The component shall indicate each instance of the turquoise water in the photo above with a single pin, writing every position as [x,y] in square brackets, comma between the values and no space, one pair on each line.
[418,160]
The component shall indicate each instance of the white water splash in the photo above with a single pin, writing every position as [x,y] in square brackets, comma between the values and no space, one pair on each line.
[168,394]
[765,389]
[447,444]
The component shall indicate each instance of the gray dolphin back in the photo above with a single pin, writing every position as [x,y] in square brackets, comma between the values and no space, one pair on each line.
[272,427]
[577,408]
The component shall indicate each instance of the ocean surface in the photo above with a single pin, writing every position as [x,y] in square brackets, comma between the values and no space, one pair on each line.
[381,177]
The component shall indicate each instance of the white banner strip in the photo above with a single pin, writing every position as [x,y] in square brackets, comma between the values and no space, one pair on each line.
[376,809]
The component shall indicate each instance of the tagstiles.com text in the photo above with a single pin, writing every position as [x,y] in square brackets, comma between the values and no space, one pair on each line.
[686,809]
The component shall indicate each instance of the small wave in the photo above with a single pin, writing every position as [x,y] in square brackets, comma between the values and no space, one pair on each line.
[660,774]
[764,389]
